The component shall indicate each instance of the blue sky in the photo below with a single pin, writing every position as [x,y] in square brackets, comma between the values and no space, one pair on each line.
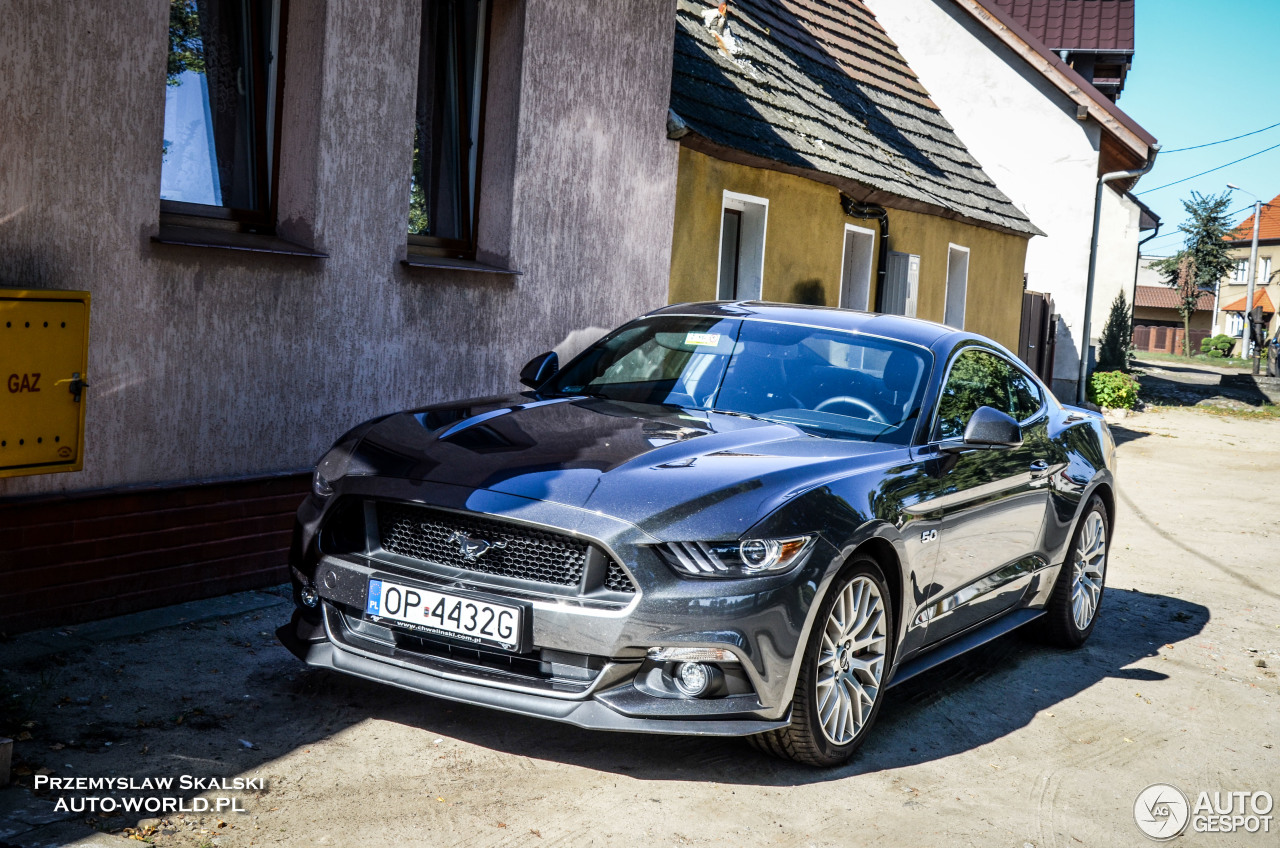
[1202,72]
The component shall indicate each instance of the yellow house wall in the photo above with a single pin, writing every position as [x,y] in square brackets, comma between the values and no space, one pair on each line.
[804,243]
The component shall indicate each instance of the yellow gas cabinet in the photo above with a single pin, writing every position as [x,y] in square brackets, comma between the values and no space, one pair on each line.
[44,363]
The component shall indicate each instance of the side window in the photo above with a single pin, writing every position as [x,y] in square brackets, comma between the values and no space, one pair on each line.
[1024,394]
[977,379]
[220,109]
[445,178]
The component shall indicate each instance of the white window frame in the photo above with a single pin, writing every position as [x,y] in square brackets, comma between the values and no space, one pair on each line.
[1242,271]
[751,244]
[946,299]
[912,263]
[858,233]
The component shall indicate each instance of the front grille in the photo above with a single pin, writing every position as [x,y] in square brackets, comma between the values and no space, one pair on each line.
[617,580]
[527,554]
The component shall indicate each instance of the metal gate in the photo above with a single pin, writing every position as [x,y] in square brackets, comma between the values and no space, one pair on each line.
[1038,335]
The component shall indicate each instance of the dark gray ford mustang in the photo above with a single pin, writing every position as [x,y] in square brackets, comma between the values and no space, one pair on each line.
[723,518]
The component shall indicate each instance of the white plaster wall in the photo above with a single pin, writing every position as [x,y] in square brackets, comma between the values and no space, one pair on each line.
[1024,132]
[212,363]
[1117,257]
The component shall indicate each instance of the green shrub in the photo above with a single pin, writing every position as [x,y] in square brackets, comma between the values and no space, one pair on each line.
[1113,347]
[1113,389]
[1219,345]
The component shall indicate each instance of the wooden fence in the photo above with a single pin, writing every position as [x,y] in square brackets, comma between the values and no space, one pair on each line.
[1166,339]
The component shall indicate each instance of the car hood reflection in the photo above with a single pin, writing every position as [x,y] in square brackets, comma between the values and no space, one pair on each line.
[636,462]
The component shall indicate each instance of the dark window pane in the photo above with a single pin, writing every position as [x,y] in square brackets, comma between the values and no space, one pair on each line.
[730,236]
[1024,395]
[447,126]
[218,103]
[977,379]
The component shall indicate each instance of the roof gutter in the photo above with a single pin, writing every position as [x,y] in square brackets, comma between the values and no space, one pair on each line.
[1093,262]
[1137,266]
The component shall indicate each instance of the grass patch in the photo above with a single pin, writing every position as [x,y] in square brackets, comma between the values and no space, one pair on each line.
[1266,412]
[1199,359]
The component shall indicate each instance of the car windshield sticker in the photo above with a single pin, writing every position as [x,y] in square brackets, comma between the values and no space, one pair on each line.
[702,339]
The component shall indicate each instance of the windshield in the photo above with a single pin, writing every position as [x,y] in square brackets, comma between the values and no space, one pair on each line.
[839,383]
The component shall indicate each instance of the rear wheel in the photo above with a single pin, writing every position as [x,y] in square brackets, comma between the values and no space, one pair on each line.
[839,690]
[1073,608]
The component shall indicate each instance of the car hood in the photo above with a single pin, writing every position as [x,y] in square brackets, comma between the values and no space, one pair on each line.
[660,468]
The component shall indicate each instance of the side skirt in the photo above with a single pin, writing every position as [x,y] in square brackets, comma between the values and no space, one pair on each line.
[964,643]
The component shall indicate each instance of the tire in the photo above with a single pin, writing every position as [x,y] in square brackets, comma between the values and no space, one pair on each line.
[1072,611]
[839,692]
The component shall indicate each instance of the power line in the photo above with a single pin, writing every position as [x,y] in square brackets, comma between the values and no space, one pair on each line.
[1210,171]
[1173,233]
[1223,141]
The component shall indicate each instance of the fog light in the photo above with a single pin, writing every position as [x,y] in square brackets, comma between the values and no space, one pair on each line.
[693,678]
[310,597]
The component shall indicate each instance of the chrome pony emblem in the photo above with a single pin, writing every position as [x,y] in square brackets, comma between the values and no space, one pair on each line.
[472,548]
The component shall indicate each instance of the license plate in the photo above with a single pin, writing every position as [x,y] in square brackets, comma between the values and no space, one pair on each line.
[444,614]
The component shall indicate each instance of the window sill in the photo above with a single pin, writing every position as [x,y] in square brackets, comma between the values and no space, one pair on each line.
[419,260]
[227,240]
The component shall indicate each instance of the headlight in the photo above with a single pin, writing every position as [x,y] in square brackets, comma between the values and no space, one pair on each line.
[736,559]
[331,468]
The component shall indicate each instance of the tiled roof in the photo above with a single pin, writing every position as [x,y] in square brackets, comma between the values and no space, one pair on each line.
[1075,24]
[818,85]
[1268,228]
[1166,297]
[1260,298]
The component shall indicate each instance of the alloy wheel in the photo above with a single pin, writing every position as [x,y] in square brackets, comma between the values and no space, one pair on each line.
[1089,570]
[851,660]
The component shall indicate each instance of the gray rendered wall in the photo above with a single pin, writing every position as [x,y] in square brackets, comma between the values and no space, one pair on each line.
[211,363]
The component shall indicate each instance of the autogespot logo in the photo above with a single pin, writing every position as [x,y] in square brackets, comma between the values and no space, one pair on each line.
[1162,811]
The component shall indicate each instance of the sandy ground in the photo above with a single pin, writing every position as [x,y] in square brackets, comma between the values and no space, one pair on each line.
[1017,745]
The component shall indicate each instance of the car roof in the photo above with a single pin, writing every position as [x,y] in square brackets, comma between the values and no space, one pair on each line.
[924,333]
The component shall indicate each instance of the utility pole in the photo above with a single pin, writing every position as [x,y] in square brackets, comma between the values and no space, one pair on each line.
[1247,341]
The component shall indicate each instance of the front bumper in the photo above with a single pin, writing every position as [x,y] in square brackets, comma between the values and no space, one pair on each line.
[763,621]
[622,708]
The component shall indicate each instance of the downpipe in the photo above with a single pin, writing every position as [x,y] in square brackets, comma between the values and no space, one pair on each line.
[1086,329]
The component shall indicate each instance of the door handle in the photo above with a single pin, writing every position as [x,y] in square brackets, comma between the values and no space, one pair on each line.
[1039,468]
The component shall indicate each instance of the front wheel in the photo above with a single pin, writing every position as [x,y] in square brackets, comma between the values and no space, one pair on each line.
[840,686]
[1073,608]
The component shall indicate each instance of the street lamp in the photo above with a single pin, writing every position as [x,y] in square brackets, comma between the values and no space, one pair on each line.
[1246,340]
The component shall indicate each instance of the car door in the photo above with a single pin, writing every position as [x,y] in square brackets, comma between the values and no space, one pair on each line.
[989,505]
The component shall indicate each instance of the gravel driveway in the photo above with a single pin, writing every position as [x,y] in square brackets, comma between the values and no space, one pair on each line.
[1019,744]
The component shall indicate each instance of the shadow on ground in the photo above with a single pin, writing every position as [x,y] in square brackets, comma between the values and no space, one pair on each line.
[1169,384]
[961,705]
[192,700]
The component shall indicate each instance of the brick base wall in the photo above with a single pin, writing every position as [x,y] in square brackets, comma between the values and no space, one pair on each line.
[74,558]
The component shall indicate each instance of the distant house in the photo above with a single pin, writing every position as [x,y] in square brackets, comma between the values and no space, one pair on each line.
[815,167]
[1157,323]
[1030,86]
[1234,289]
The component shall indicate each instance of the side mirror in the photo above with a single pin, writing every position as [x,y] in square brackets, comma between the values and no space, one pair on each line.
[991,428]
[540,369]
